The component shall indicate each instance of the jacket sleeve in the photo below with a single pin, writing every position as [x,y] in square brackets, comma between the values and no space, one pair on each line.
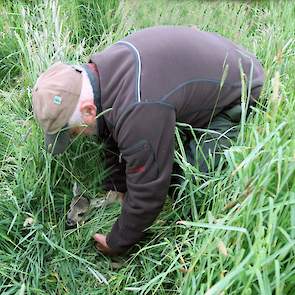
[146,141]
[116,178]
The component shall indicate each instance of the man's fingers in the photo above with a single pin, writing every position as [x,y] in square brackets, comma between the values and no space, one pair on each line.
[101,244]
[98,237]
[98,246]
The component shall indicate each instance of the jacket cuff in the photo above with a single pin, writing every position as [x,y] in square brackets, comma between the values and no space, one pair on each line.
[111,242]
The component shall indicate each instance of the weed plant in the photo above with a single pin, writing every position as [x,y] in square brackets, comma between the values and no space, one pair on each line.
[229,232]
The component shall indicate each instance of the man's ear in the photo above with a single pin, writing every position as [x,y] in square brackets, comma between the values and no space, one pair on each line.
[88,112]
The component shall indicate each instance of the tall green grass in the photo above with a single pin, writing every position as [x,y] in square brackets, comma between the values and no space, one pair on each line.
[231,231]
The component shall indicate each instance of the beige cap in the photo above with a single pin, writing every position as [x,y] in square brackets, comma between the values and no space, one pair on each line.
[55,97]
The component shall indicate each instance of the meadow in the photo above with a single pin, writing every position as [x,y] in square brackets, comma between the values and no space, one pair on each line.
[228,232]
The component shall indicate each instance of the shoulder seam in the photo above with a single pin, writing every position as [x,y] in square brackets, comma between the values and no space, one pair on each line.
[138,67]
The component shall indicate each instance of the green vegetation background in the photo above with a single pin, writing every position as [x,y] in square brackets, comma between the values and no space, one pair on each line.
[237,233]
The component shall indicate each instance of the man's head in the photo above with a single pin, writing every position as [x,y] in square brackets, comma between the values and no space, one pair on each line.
[63,103]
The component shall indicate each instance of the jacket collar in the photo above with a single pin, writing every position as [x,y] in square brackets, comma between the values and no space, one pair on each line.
[93,75]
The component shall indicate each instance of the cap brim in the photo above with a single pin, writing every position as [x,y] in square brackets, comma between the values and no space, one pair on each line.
[58,142]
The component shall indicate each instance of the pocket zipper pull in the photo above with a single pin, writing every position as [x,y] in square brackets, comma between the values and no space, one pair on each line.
[120,158]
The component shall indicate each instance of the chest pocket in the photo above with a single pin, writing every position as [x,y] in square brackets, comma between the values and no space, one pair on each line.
[141,166]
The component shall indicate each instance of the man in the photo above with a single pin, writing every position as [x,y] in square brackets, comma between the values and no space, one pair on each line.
[132,94]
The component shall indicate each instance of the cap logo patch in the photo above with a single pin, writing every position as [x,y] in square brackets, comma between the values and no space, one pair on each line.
[57,99]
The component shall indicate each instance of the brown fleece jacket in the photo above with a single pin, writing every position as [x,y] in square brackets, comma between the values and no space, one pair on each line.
[148,81]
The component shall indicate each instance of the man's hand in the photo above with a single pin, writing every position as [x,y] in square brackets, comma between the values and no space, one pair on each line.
[102,246]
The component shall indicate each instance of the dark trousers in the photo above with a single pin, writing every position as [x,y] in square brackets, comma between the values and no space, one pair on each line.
[206,152]
[222,132]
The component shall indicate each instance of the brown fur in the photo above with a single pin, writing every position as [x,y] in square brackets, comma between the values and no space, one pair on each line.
[81,206]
